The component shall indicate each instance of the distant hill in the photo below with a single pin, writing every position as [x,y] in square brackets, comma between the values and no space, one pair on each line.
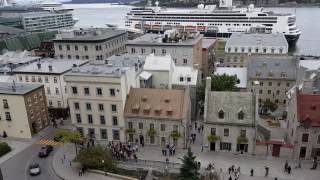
[102,1]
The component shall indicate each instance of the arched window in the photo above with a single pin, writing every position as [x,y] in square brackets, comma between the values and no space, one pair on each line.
[221,114]
[241,115]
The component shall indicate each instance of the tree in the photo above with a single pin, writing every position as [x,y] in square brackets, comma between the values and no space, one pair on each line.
[268,105]
[96,157]
[224,83]
[70,136]
[151,132]
[213,138]
[190,168]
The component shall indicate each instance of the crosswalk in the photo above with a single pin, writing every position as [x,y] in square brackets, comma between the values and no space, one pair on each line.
[48,142]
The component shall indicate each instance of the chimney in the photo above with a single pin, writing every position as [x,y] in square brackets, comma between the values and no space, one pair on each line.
[50,68]
[207,91]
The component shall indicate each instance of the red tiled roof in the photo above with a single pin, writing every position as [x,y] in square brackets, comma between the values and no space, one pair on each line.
[309,108]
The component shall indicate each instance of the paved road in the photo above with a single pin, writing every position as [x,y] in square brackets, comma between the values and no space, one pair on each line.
[16,168]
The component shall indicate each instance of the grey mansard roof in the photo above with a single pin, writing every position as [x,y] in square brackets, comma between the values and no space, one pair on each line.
[272,67]
[18,88]
[257,40]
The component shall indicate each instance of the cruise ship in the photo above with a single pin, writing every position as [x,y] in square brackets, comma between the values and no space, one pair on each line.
[214,21]
[36,17]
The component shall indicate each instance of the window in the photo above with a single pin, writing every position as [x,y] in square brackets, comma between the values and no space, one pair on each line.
[103,133]
[57,91]
[86,91]
[90,120]
[50,103]
[116,135]
[175,60]
[97,48]
[181,79]
[20,78]
[185,61]
[112,92]
[130,125]
[236,50]
[85,48]
[260,91]
[243,133]
[74,90]
[140,125]
[188,79]
[257,50]
[164,51]
[48,90]
[225,146]
[229,49]
[33,79]
[8,116]
[68,47]
[163,127]
[226,132]
[102,120]
[305,137]
[39,79]
[288,84]
[221,114]
[318,139]
[113,108]
[241,115]
[133,50]
[279,83]
[269,91]
[78,117]
[115,120]
[101,107]
[61,56]
[151,139]
[76,47]
[213,131]
[5,104]
[69,56]
[27,79]
[143,51]
[249,50]
[151,126]
[270,83]
[60,47]
[88,105]
[76,105]
[99,91]
[280,50]
[264,50]
[55,80]
[59,103]
[77,57]
[46,79]
[272,50]
[153,51]
[91,133]
[80,129]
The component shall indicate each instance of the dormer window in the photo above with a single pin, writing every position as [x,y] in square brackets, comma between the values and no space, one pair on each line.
[241,115]
[221,114]
[283,74]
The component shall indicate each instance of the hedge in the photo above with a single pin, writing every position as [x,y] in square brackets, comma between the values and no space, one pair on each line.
[4,148]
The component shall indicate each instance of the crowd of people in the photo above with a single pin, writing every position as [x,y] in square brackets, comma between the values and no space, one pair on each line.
[234,173]
[121,151]
[169,149]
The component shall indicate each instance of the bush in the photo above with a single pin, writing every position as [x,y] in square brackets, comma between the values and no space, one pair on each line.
[4,148]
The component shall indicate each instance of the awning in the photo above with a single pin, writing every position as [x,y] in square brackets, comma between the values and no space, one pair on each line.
[144,75]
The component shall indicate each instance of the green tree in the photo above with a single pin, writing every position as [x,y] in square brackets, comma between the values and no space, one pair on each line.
[224,83]
[190,168]
[268,105]
[213,138]
[70,136]
[96,157]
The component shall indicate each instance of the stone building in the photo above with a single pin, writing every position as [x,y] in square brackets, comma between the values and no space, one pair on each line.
[276,76]
[50,73]
[229,121]
[97,95]
[208,45]
[240,46]
[303,123]
[24,109]
[95,44]
[185,49]
[157,116]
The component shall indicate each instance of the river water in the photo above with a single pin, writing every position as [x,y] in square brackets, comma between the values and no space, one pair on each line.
[98,15]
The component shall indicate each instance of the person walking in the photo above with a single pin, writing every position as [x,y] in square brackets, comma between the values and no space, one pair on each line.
[286,166]
[230,178]
[251,172]
[289,169]
[267,171]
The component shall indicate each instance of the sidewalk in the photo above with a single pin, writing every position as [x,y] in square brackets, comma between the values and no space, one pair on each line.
[63,169]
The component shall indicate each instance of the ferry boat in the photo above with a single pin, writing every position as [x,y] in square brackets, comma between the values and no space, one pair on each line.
[214,21]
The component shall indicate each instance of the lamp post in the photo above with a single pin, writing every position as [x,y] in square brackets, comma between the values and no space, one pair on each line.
[104,167]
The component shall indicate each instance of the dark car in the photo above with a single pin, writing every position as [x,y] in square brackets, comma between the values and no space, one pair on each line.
[34,169]
[45,151]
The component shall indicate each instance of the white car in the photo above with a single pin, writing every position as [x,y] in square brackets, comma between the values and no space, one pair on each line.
[34,169]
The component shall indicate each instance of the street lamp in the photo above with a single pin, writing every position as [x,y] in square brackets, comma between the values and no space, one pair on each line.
[104,167]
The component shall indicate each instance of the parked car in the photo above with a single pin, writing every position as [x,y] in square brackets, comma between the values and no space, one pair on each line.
[34,169]
[45,151]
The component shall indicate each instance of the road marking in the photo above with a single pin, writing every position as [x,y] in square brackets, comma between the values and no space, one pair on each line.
[48,142]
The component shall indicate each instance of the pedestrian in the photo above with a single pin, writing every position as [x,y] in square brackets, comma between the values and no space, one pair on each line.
[167,160]
[202,148]
[70,162]
[275,178]
[267,171]
[286,166]
[229,170]
[80,172]
[135,157]
[289,169]
[230,178]
[251,172]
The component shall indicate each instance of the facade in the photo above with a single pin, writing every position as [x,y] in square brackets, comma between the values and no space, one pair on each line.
[50,73]
[240,46]
[308,77]
[229,121]
[89,44]
[24,110]
[163,73]
[185,49]
[97,95]
[152,116]
[303,124]
[208,45]
[276,76]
